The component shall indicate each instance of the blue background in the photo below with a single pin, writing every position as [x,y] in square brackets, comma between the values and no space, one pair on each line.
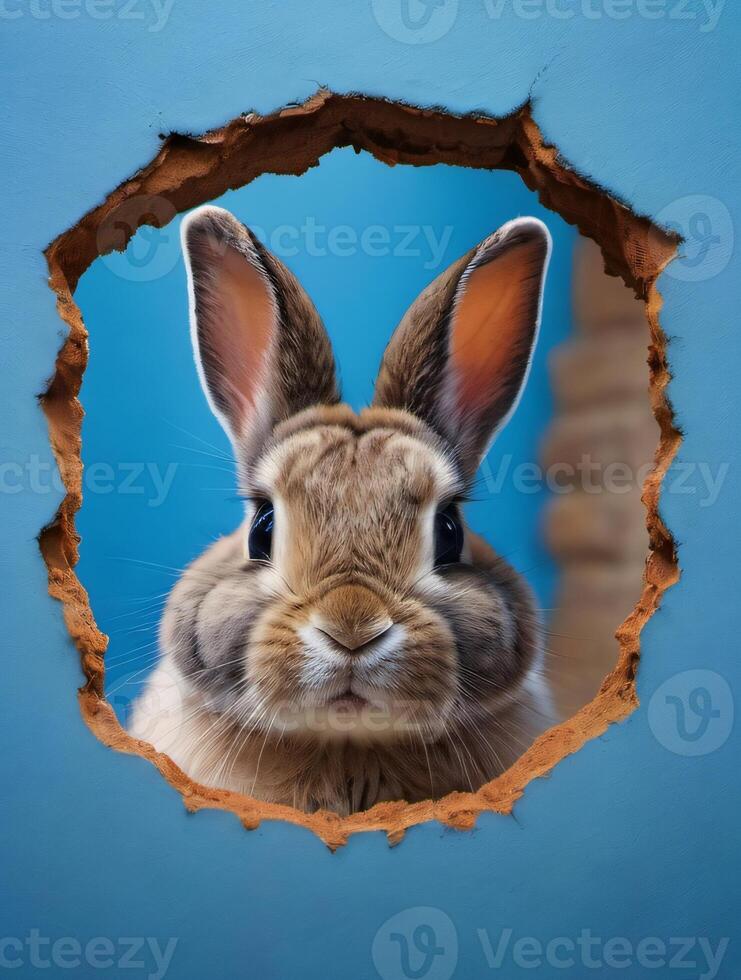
[144,406]
[627,838]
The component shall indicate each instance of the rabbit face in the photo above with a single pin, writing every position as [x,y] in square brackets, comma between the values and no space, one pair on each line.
[360,623]
[345,645]
[353,604]
[353,533]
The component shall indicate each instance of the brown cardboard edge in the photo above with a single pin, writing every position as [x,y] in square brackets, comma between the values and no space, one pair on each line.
[190,170]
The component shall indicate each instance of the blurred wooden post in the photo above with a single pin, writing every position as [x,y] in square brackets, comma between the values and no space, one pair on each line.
[603,419]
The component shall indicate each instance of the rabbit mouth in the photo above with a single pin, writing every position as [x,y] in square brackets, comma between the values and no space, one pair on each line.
[350,695]
[384,690]
[348,701]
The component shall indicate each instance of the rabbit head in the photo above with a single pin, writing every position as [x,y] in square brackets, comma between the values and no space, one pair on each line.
[353,604]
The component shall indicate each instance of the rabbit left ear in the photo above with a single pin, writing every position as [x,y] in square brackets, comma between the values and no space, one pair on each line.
[460,357]
[261,349]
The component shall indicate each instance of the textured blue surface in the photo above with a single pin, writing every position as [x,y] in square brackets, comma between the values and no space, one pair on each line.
[627,838]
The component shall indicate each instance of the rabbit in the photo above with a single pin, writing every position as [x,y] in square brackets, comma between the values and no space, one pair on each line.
[352,642]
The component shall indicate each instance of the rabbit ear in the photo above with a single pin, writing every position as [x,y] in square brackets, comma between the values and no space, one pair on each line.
[461,355]
[261,349]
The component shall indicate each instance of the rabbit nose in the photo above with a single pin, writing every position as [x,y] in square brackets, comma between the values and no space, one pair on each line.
[354,641]
[352,616]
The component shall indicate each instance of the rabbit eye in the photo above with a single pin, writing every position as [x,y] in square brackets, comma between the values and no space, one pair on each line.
[260,540]
[448,536]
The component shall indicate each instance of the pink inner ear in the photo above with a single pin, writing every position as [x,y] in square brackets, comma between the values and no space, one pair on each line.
[242,338]
[492,326]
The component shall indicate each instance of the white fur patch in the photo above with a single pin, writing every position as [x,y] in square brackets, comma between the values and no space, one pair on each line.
[326,666]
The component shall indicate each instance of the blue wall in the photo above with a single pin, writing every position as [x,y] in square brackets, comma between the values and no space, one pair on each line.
[364,239]
[634,838]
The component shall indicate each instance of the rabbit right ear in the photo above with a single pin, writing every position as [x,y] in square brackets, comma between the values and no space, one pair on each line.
[260,346]
[461,355]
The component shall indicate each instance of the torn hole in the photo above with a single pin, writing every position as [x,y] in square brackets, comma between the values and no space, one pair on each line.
[190,171]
